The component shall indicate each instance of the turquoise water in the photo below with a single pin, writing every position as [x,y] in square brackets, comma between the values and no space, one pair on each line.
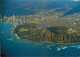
[11,46]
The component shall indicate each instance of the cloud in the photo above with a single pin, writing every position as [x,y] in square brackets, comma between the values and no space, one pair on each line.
[76,0]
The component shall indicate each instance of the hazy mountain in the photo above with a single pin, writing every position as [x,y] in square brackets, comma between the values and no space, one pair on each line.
[18,7]
[73,10]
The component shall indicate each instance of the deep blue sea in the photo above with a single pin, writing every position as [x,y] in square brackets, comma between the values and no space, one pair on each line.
[11,46]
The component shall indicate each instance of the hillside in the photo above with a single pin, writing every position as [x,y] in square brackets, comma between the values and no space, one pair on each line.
[59,34]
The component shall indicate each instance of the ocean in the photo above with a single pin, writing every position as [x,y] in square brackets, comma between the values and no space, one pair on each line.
[11,46]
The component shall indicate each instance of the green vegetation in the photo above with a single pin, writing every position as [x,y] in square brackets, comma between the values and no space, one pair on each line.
[23,29]
[57,34]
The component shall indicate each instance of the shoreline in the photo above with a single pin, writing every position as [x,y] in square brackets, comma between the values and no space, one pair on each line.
[38,41]
[49,42]
[15,34]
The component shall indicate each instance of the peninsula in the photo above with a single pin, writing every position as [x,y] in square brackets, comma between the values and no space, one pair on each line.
[48,26]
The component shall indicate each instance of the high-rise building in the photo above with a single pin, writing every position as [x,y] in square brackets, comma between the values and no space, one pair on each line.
[13,17]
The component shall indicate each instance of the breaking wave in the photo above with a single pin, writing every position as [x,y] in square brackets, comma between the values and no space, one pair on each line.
[66,47]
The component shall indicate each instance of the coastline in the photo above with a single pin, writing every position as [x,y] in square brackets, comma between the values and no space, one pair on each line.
[15,34]
[49,42]
[27,45]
